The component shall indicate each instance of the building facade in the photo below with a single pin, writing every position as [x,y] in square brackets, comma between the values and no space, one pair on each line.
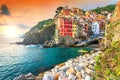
[95,28]
[66,23]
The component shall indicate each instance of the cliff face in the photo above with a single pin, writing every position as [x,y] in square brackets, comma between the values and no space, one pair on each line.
[113,31]
[116,15]
[40,33]
[108,63]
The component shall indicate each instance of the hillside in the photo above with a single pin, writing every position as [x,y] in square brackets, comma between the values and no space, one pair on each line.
[109,8]
[108,64]
[43,31]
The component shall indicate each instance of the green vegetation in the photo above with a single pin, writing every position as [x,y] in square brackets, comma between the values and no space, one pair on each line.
[109,8]
[43,31]
[40,26]
[108,64]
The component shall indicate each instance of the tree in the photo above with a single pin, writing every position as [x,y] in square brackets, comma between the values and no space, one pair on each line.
[4,10]
[59,10]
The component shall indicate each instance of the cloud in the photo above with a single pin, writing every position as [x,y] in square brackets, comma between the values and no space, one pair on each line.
[2,24]
[4,10]
[22,26]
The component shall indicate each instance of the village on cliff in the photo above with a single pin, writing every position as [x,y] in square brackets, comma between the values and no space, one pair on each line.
[75,27]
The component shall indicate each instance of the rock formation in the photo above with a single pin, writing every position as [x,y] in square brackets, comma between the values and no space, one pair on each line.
[113,29]
[40,33]
[116,15]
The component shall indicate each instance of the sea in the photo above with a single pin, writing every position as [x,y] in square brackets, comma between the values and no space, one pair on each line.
[23,59]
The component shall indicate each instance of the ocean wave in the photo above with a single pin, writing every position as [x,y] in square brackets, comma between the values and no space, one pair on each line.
[33,45]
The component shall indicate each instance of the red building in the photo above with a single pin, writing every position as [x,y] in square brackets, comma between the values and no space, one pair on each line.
[65,27]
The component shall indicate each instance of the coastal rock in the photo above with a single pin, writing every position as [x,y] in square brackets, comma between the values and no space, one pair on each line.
[87,55]
[57,77]
[78,68]
[64,68]
[48,76]
[88,71]
[76,60]
[86,63]
[49,44]
[91,67]
[92,51]
[69,62]
[40,33]
[116,15]
[62,78]
[62,73]
[71,70]
[67,41]
[29,76]
[20,77]
[81,44]
[83,73]
[87,77]
[71,77]
[78,75]
[92,61]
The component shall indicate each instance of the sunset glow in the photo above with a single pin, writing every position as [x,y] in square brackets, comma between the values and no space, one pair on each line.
[11,32]
[29,12]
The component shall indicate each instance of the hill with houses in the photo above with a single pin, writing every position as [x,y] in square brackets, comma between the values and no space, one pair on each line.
[68,27]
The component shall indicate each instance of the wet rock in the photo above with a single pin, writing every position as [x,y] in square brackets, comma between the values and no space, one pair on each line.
[71,77]
[92,51]
[78,68]
[71,70]
[92,61]
[49,44]
[56,76]
[88,71]
[62,78]
[83,73]
[29,76]
[78,75]
[90,67]
[87,77]
[64,68]
[76,60]
[20,77]
[62,73]
[81,44]
[48,76]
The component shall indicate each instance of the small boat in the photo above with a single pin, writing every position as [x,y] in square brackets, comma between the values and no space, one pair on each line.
[82,51]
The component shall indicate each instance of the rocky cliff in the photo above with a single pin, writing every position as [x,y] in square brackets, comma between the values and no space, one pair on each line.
[113,31]
[43,31]
[116,15]
[108,63]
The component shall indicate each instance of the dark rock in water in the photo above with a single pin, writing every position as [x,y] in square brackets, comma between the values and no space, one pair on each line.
[82,44]
[49,44]
[25,77]
[40,33]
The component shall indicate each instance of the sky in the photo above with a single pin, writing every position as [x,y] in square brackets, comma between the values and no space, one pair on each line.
[25,14]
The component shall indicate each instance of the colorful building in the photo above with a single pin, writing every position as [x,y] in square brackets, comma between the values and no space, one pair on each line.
[66,27]
[95,28]
[67,22]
